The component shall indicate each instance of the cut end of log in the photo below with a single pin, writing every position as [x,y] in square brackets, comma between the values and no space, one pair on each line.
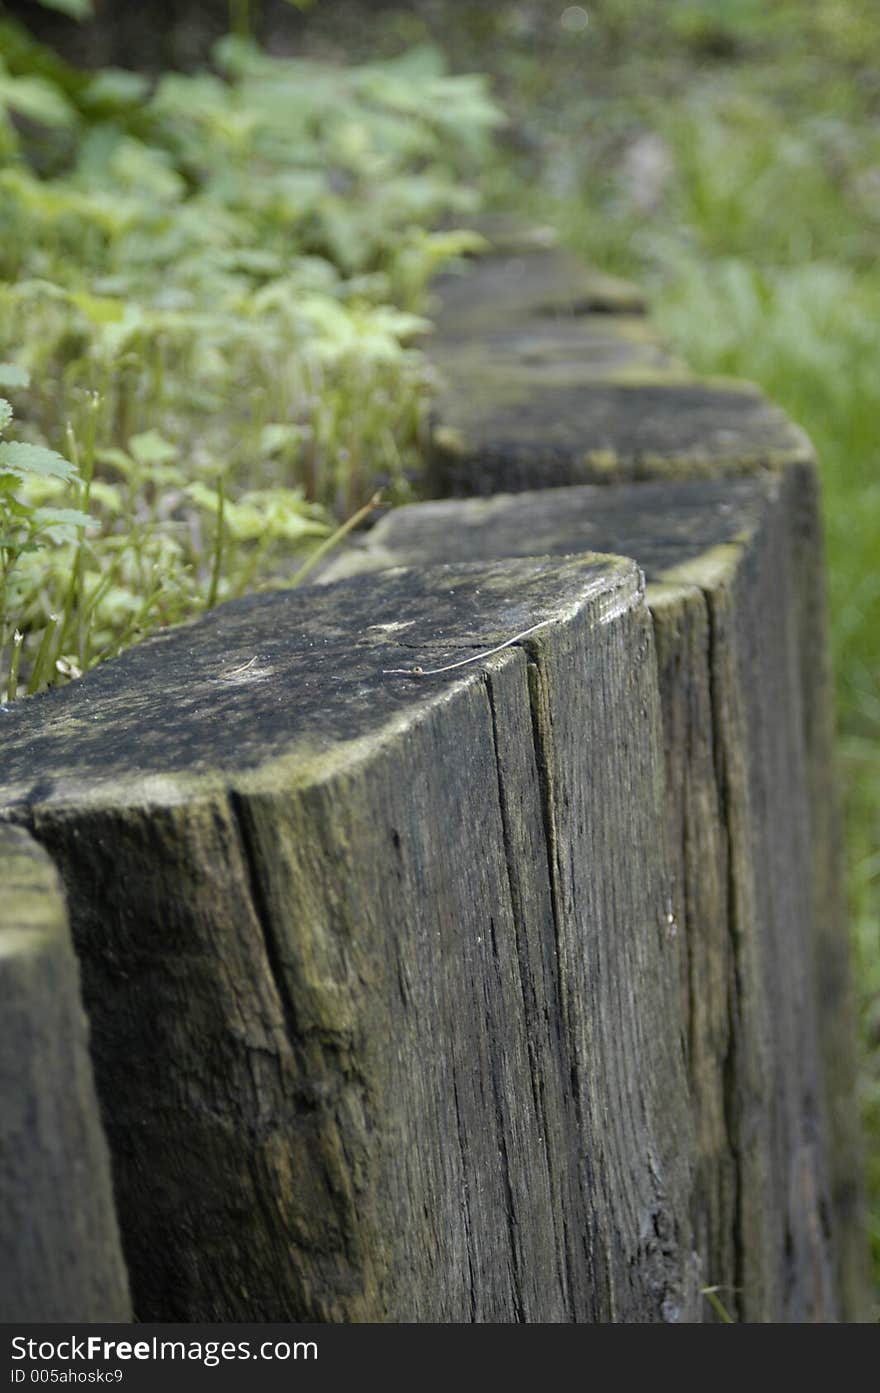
[290,675]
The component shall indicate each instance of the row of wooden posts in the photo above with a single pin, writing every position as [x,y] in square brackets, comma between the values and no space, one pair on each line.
[460,938]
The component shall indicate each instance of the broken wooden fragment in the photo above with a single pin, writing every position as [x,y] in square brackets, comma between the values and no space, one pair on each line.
[381,976]
[60,1256]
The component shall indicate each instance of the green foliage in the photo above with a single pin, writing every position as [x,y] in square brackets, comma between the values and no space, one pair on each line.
[210,295]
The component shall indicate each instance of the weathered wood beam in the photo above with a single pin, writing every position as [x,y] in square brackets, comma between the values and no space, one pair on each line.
[735,587]
[545,384]
[521,281]
[380,968]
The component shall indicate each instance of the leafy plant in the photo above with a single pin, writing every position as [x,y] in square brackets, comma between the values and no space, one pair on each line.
[28,528]
[211,287]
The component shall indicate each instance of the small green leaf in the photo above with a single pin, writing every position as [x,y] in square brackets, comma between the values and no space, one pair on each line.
[13,505]
[108,495]
[100,309]
[17,457]
[151,448]
[36,99]
[60,524]
[204,497]
[281,436]
[117,87]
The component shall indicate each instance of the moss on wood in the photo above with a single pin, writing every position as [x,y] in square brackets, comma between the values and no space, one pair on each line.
[526,431]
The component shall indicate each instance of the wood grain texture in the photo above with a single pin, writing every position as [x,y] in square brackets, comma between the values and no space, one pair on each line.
[774,1088]
[700,867]
[60,1255]
[382,989]
[735,588]
[555,350]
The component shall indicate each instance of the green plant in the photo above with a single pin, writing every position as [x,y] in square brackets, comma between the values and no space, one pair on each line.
[718,1307]
[28,529]
[210,287]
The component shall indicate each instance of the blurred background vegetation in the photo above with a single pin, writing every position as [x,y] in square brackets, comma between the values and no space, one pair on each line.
[212,285]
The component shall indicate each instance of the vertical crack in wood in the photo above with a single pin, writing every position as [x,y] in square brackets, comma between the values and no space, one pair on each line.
[465,1192]
[311,1091]
[529,1019]
[730,1071]
[242,824]
[509,1202]
[699,844]
[541,723]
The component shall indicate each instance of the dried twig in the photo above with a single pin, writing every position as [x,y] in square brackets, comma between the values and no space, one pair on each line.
[463,662]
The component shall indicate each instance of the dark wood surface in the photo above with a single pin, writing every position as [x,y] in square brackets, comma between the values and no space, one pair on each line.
[550,378]
[382,985]
[735,585]
[60,1256]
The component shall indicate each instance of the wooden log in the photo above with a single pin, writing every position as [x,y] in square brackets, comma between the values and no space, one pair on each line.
[60,1256]
[381,976]
[547,384]
[735,589]
[501,436]
[522,282]
[523,408]
[553,352]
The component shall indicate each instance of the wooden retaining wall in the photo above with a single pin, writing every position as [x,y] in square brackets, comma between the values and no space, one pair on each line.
[509,989]
[715,493]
